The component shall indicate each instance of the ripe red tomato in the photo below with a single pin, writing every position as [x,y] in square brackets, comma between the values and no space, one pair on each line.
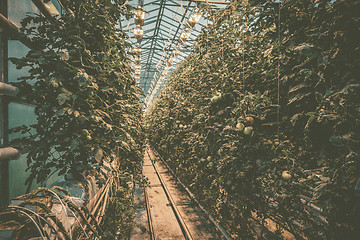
[250,120]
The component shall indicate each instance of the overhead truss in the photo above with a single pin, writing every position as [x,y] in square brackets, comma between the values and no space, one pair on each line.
[164,22]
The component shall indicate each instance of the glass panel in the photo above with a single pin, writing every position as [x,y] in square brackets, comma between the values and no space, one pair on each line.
[57,5]
[19,114]
[17,10]
[18,50]
[18,176]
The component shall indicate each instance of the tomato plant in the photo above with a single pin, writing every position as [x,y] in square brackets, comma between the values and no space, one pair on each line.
[87,102]
[292,82]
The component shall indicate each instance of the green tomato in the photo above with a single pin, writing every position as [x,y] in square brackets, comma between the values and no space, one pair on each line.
[286,175]
[248,130]
[240,126]
[215,99]
[209,158]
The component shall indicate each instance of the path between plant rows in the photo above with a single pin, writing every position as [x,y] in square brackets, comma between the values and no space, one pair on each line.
[154,206]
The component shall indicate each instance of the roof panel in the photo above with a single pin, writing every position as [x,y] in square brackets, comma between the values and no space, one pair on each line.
[164,22]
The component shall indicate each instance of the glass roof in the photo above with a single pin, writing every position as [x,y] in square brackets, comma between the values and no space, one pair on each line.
[165,21]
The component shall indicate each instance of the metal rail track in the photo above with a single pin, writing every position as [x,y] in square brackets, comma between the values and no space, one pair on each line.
[181,221]
[150,225]
[179,218]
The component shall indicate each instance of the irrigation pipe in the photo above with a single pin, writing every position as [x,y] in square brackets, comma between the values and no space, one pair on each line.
[16,208]
[37,226]
[62,203]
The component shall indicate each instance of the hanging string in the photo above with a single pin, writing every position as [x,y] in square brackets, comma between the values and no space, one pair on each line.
[208,33]
[222,51]
[243,43]
[222,57]
[278,75]
[242,49]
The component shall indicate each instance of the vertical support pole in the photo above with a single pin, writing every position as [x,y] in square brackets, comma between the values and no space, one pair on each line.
[4,165]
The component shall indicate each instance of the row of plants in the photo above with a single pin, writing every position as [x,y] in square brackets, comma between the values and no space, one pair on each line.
[264,117]
[87,101]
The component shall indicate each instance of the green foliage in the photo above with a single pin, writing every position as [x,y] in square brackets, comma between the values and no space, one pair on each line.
[303,94]
[118,220]
[87,102]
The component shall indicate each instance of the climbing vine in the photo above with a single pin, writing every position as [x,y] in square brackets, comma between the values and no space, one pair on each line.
[262,120]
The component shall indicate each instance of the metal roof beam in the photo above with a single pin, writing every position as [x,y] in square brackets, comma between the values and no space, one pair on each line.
[147,22]
[157,26]
[163,39]
[208,1]
[172,5]
[182,19]
[171,24]
[156,58]
[170,10]
[170,50]
[152,2]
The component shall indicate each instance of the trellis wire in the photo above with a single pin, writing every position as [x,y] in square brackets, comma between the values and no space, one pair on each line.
[243,44]
[278,75]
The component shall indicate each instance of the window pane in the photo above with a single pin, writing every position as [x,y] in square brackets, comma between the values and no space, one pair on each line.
[18,50]
[17,10]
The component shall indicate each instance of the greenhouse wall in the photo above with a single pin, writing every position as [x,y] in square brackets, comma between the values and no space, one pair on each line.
[14,112]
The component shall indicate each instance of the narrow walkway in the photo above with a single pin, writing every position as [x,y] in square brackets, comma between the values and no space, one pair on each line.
[182,220]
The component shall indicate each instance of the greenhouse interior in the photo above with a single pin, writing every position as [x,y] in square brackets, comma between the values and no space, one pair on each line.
[180,119]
